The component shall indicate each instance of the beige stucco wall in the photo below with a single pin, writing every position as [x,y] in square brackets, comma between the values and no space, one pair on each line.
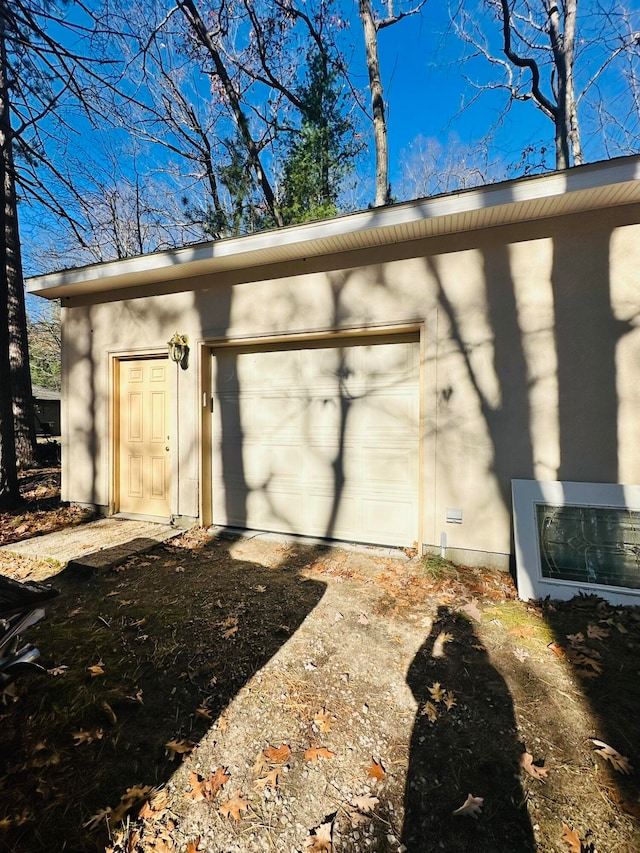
[531,358]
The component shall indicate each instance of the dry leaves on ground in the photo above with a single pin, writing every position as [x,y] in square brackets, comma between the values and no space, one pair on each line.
[375,771]
[320,838]
[277,754]
[618,762]
[314,752]
[173,748]
[534,770]
[472,806]
[234,805]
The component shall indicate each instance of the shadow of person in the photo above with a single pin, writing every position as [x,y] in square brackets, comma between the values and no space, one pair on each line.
[470,747]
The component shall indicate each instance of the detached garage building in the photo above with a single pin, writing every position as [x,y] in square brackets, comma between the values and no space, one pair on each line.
[379,377]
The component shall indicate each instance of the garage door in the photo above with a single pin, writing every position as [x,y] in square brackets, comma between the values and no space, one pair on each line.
[319,440]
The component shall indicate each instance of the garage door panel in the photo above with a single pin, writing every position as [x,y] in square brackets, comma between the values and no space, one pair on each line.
[390,467]
[295,424]
[389,518]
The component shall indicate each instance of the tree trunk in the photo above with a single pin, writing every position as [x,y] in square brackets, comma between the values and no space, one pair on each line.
[9,491]
[573,130]
[377,103]
[22,393]
[20,384]
[193,16]
[559,58]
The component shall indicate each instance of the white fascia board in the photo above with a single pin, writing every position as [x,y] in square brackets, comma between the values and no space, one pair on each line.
[201,258]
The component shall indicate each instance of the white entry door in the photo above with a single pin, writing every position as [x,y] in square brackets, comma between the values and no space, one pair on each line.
[319,440]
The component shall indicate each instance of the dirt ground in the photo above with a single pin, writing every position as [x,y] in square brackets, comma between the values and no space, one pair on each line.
[239,694]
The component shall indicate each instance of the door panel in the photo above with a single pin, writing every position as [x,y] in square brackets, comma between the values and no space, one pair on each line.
[319,440]
[144,463]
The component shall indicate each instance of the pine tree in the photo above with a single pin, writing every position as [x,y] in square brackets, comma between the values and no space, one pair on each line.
[321,152]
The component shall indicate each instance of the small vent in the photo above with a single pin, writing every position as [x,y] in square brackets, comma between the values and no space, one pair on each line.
[454,516]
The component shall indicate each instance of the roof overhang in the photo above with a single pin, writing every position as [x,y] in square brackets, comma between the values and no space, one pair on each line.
[595,186]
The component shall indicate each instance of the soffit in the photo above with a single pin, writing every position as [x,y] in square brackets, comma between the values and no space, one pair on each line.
[597,186]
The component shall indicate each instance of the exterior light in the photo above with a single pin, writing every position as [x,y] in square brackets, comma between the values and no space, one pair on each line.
[179,350]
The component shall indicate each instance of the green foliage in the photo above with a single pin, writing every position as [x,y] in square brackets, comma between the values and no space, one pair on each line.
[321,153]
[44,336]
[243,210]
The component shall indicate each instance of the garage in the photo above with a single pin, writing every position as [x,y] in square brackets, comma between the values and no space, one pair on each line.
[319,438]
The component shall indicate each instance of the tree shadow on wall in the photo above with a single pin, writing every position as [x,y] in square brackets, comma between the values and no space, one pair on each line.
[471,748]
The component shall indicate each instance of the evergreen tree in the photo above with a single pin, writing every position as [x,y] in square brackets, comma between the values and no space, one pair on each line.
[321,153]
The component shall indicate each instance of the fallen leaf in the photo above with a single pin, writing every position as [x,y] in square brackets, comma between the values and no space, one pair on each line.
[87,737]
[324,720]
[375,771]
[365,804]
[57,670]
[558,650]
[363,619]
[155,808]
[595,632]
[320,838]
[135,697]
[206,789]
[216,780]
[430,711]
[277,754]
[471,609]
[173,748]
[314,752]
[96,819]
[521,654]
[270,780]
[571,839]
[436,691]
[96,669]
[618,762]
[450,700]
[196,793]
[192,846]
[526,762]
[472,806]
[234,805]
[439,644]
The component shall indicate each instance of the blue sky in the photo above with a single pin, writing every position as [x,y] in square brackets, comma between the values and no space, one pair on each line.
[425,90]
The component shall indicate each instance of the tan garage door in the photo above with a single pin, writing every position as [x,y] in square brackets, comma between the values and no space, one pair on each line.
[319,440]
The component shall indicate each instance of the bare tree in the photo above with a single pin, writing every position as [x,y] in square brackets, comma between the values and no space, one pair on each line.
[371,26]
[430,167]
[550,57]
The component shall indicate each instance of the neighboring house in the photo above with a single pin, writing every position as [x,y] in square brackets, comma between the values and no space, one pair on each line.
[379,377]
[46,404]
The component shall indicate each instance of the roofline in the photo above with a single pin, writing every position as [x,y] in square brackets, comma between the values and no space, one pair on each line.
[202,258]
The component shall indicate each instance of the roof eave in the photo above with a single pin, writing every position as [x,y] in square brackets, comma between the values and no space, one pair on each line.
[426,216]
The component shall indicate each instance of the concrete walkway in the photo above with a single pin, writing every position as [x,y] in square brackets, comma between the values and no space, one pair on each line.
[95,545]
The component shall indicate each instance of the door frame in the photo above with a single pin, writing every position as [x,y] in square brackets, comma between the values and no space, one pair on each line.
[206,351]
[115,360]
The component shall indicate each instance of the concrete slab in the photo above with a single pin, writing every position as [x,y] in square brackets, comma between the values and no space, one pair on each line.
[97,544]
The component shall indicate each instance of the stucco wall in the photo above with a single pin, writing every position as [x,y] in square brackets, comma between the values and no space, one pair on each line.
[531,348]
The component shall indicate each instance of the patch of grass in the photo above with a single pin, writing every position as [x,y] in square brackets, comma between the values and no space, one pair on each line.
[439,569]
[514,615]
